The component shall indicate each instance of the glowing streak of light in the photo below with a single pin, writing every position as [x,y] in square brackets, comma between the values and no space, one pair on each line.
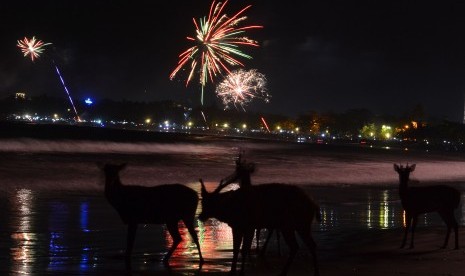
[241,87]
[266,125]
[218,40]
[67,92]
[404,219]
[204,118]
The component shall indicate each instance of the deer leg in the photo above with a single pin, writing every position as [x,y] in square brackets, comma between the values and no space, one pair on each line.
[190,226]
[246,245]
[291,241]
[306,236]
[408,220]
[414,225]
[278,239]
[174,232]
[257,238]
[265,245]
[130,238]
[237,240]
[451,222]
[445,217]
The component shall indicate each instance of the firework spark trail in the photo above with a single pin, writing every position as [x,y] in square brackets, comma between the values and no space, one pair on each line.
[67,92]
[204,118]
[218,40]
[266,125]
[241,87]
[32,47]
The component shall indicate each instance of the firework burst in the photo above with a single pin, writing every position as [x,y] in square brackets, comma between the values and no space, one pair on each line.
[241,87]
[32,47]
[218,40]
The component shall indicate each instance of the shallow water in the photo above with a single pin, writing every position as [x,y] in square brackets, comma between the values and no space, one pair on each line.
[55,220]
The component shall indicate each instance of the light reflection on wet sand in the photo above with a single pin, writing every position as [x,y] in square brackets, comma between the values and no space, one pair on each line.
[79,233]
[24,240]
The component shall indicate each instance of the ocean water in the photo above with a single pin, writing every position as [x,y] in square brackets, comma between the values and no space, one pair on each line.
[55,219]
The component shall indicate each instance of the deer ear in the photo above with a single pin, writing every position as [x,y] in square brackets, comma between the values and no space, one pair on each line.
[396,167]
[100,165]
[412,168]
[203,191]
[123,166]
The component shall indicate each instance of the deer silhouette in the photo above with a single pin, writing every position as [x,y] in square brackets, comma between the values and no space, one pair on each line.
[164,204]
[286,208]
[242,174]
[419,200]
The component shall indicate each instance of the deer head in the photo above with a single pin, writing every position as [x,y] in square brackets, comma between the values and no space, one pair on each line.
[404,172]
[111,172]
[208,201]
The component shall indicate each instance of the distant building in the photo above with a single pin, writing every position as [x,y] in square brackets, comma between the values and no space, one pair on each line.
[20,96]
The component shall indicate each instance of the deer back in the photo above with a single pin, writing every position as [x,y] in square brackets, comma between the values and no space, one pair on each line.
[157,204]
[278,206]
[430,198]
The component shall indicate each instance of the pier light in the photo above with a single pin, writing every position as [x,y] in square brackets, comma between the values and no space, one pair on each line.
[244,126]
[148,120]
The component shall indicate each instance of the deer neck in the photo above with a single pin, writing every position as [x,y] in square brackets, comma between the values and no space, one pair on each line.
[111,183]
[403,185]
[246,181]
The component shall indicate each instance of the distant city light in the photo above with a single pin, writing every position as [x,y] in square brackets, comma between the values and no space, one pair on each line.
[88,101]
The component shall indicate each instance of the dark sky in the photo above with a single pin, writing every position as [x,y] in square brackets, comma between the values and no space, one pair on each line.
[387,56]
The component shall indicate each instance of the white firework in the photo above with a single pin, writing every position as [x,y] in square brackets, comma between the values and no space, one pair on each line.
[242,86]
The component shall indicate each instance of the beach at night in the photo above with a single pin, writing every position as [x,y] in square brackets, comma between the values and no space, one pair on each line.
[56,219]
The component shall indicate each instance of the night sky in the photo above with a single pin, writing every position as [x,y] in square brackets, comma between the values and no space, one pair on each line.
[386,56]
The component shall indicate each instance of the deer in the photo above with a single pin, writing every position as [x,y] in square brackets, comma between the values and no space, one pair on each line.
[426,199]
[163,204]
[283,207]
[242,174]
